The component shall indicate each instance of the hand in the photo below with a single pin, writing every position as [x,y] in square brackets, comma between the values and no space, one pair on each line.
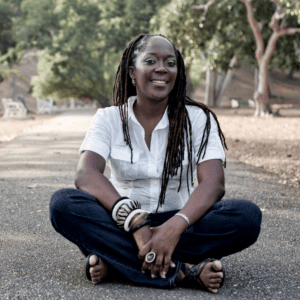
[163,242]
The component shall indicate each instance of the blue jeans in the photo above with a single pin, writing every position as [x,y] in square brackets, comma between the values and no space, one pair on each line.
[228,227]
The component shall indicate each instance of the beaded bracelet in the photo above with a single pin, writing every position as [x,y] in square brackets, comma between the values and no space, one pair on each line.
[142,224]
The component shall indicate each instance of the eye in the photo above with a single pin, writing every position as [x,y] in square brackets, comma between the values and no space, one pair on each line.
[150,61]
[171,63]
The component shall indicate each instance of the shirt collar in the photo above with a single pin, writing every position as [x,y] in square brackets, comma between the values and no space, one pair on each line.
[163,123]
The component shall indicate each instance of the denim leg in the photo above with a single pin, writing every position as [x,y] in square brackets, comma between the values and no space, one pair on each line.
[82,220]
[229,227]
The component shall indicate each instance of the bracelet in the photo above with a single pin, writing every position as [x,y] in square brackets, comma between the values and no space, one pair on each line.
[122,198]
[129,218]
[117,205]
[185,217]
[144,216]
[124,211]
[142,224]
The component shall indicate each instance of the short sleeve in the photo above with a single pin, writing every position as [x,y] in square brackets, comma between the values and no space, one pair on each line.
[99,135]
[214,149]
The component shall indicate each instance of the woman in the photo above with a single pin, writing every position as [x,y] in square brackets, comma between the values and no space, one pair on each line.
[147,223]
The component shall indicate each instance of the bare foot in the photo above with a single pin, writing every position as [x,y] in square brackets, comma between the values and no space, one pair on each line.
[98,271]
[211,279]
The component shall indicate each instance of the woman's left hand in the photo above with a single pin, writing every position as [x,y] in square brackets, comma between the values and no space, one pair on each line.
[163,242]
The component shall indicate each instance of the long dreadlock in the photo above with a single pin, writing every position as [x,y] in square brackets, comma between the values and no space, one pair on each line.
[180,128]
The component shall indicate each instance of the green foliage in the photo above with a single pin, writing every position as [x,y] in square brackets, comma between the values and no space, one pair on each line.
[225,31]
[6,37]
[35,24]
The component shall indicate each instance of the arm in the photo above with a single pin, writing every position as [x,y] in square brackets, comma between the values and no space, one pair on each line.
[90,179]
[210,189]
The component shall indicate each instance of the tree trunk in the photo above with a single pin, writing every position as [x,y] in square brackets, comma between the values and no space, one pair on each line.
[189,86]
[261,95]
[227,80]
[210,84]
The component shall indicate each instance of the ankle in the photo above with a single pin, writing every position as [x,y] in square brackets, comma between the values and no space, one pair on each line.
[180,277]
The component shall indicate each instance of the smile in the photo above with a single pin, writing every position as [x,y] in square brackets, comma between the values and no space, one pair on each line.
[159,81]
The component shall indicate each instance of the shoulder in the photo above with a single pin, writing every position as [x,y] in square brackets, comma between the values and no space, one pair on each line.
[109,114]
[196,114]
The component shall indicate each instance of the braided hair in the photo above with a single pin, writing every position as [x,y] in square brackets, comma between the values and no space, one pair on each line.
[180,128]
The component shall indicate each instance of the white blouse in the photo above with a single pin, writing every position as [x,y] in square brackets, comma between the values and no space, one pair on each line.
[141,180]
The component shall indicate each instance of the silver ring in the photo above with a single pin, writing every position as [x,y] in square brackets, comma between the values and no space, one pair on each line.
[150,257]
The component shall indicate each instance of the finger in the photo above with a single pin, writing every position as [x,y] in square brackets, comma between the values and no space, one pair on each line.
[156,265]
[145,267]
[144,250]
[165,269]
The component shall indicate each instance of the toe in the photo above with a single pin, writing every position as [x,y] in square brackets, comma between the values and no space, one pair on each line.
[216,265]
[93,260]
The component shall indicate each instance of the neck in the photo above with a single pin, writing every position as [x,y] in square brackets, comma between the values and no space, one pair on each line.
[150,110]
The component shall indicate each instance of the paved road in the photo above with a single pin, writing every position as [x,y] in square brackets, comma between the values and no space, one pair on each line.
[36,263]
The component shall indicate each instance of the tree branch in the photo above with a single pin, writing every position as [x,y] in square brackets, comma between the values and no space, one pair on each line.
[278,15]
[255,29]
[205,7]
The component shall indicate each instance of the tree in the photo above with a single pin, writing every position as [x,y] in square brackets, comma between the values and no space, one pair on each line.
[35,24]
[86,48]
[284,10]
[73,66]
[217,40]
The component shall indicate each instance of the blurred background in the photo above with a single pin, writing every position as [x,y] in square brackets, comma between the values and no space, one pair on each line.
[63,49]
[242,60]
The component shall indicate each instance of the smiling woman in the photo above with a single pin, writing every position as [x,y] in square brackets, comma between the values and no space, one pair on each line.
[147,222]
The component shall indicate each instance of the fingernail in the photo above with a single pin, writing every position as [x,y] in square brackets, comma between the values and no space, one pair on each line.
[163,275]
[153,276]
[143,272]
[173,265]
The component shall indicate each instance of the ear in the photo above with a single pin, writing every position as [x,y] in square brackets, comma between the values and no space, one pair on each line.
[131,72]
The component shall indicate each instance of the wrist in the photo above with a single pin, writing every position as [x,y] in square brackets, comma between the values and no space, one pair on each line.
[142,236]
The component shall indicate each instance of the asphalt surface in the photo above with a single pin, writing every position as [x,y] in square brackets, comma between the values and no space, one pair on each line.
[37,263]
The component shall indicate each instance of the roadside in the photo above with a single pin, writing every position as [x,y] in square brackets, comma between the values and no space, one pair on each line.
[272,144]
[37,263]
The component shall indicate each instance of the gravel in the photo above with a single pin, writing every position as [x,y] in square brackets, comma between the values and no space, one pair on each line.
[37,263]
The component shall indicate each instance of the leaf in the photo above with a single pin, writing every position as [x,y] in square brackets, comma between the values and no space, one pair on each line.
[33,186]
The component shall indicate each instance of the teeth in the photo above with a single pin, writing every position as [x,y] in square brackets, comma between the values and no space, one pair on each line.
[158,81]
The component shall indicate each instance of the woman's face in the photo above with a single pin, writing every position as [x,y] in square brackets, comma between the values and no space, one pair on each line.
[155,70]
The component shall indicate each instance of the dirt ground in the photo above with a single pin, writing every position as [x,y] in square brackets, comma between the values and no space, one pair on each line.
[271,143]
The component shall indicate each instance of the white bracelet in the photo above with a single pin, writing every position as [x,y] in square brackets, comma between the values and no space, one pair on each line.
[117,206]
[185,217]
[129,218]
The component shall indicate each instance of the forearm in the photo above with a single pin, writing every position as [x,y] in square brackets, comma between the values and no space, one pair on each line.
[95,183]
[205,195]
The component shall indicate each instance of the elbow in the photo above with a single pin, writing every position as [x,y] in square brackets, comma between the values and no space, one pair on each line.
[221,191]
[80,179]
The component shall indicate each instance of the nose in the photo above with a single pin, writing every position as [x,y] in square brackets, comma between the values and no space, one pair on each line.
[161,68]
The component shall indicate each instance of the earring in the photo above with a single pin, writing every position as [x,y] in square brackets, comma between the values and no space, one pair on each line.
[133,82]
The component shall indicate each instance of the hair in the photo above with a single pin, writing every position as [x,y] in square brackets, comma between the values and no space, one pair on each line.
[180,128]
